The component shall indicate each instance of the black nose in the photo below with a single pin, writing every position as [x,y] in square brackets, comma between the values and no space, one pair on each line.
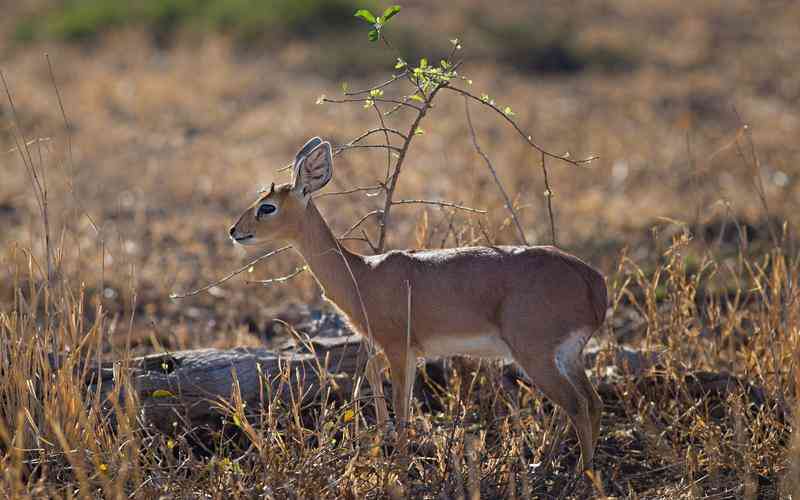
[232,230]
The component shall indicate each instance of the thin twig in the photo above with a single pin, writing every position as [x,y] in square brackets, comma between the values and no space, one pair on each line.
[397,107]
[281,279]
[386,138]
[441,204]
[383,128]
[345,147]
[353,238]
[489,165]
[359,222]
[527,137]
[369,241]
[229,276]
[373,99]
[363,239]
[379,86]
[337,150]
[548,194]
[351,191]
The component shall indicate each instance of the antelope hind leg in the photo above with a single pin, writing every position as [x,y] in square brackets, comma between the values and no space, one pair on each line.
[376,384]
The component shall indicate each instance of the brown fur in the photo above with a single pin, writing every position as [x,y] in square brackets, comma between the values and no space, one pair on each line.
[538,305]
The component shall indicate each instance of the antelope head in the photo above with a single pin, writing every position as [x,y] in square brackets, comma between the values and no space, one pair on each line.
[279,213]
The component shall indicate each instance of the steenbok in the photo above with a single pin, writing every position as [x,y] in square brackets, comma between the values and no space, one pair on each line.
[535,305]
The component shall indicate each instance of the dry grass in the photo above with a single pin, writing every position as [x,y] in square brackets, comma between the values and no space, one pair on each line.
[162,160]
[710,419]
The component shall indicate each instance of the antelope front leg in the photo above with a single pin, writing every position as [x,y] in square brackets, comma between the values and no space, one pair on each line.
[376,384]
[404,370]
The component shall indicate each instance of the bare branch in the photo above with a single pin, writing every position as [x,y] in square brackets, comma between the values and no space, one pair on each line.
[386,138]
[548,194]
[383,128]
[379,86]
[441,204]
[391,182]
[397,106]
[345,147]
[372,99]
[351,191]
[369,241]
[363,239]
[282,279]
[229,276]
[527,137]
[489,165]
[359,222]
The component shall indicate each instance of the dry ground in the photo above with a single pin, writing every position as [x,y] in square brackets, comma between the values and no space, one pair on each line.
[170,143]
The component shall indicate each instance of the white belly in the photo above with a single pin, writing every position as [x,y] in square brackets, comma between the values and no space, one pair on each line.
[478,345]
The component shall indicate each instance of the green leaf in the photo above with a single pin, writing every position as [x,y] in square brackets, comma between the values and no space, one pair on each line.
[400,64]
[374,35]
[390,12]
[365,15]
[417,97]
[423,63]
[419,131]
[507,110]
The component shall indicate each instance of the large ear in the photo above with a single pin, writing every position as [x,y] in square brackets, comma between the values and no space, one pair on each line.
[313,167]
[307,147]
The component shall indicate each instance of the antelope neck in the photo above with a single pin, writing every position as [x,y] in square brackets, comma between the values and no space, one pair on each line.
[329,262]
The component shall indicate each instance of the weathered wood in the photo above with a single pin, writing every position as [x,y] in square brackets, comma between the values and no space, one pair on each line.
[188,387]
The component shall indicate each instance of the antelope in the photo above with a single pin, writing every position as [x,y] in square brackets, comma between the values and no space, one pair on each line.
[536,305]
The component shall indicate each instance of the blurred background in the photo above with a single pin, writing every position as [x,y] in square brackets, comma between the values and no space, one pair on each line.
[180,110]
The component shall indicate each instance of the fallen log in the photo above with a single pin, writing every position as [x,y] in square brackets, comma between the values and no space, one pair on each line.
[191,387]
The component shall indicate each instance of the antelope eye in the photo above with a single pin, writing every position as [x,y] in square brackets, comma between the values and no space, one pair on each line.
[265,209]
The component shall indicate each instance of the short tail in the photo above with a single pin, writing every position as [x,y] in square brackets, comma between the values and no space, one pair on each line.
[598,295]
